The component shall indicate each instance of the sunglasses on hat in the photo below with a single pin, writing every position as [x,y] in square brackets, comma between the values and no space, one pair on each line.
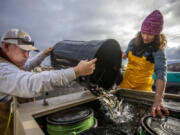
[22,41]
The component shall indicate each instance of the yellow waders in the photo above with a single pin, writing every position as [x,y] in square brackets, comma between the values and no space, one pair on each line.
[138,74]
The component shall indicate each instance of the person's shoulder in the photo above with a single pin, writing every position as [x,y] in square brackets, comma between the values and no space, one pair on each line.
[131,43]
[160,51]
[7,66]
[159,54]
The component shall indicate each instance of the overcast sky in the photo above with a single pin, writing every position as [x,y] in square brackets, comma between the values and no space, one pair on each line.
[50,21]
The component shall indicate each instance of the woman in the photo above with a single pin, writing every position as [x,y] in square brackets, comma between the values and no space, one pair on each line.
[146,55]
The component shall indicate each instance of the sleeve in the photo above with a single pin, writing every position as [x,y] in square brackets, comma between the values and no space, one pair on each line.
[34,62]
[21,83]
[160,68]
[130,46]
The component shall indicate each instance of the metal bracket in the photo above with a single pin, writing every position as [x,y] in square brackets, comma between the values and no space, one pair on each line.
[45,102]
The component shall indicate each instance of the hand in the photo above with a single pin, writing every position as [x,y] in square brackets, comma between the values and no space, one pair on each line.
[47,51]
[124,55]
[157,108]
[85,67]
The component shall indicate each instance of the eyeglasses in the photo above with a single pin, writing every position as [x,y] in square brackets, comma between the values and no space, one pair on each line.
[22,41]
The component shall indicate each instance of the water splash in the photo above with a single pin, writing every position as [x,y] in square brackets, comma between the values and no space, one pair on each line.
[115,109]
[123,115]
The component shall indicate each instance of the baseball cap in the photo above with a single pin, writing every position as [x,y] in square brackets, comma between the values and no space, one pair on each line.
[19,38]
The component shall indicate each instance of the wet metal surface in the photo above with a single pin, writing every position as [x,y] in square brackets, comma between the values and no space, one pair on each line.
[172,105]
[164,126]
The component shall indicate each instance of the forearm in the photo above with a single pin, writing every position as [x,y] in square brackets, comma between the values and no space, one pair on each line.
[26,84]
[35,61]
[160,88]
[47,80]
[158,106]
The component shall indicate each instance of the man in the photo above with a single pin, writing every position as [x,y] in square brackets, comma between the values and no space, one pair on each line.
[16,81]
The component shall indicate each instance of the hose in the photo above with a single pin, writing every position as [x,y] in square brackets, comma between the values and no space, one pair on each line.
[9,119]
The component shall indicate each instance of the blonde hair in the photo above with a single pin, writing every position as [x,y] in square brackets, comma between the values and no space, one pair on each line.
[163,41]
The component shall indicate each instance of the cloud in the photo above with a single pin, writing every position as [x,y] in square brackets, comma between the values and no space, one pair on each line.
[173,53]
[51,21]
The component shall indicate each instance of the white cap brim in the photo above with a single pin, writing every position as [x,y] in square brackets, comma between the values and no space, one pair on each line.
[28,47]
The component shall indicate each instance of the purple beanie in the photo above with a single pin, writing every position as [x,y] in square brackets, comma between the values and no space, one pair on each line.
[153,24]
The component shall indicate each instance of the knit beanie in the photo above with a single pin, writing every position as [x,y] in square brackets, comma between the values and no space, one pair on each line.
[153,24]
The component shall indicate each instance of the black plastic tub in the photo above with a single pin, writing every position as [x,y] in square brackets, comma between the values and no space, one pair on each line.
[108,53]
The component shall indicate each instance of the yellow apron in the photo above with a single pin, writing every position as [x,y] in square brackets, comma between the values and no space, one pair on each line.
[138,74]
